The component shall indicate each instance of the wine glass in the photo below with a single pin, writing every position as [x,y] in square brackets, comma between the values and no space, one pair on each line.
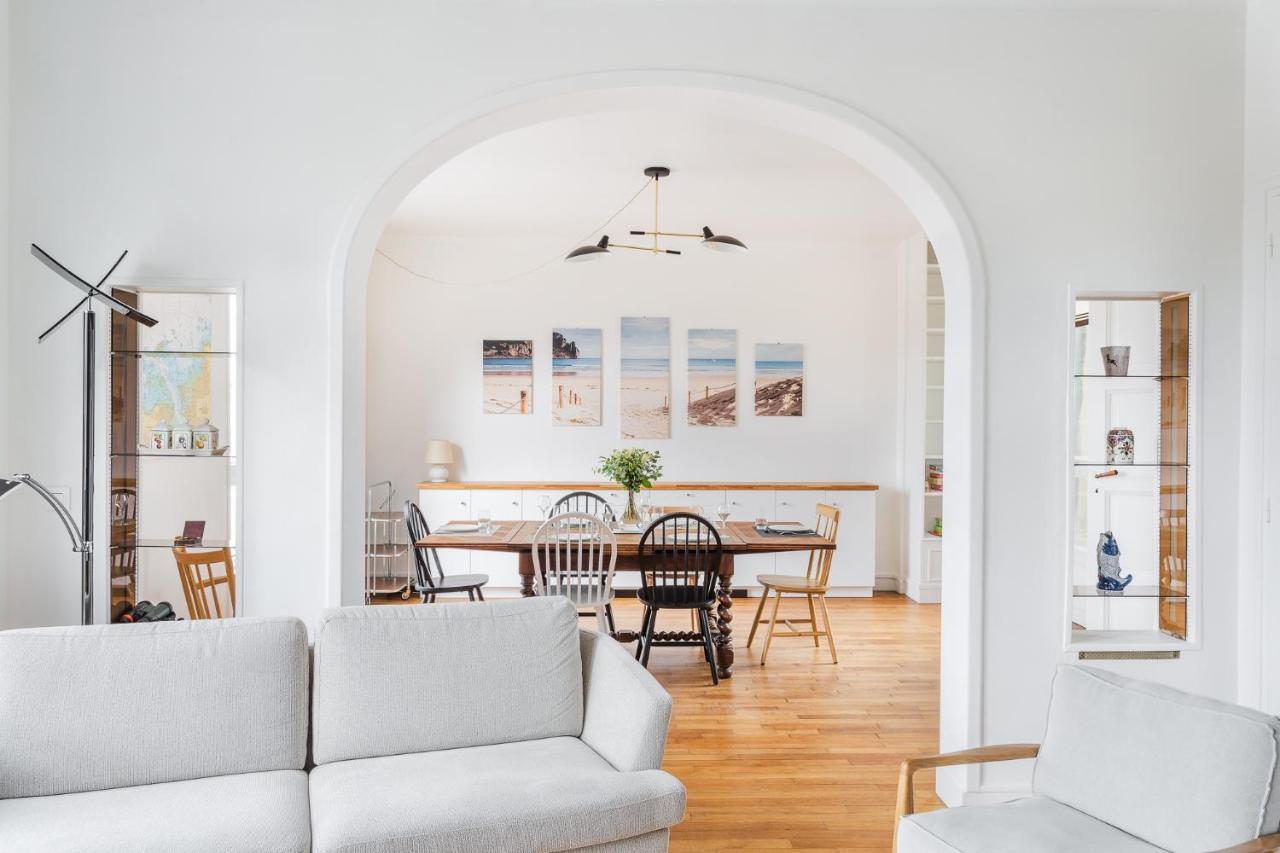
[486,520]
[645,503]
[544,505]
[722,513]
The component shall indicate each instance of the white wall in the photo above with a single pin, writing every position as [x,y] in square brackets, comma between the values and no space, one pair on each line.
[840,301]
[6,332]
[1090,147]
[1260,582]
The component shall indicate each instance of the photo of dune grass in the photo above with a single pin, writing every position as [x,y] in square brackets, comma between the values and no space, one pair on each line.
[713,377]
[779,385]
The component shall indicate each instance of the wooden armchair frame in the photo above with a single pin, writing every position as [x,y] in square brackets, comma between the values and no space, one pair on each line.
[1011,752]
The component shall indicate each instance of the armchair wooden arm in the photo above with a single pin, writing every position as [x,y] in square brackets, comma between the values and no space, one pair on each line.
[977,755]
[1265,844]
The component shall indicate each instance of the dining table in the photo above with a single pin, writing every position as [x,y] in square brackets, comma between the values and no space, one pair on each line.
[736,537]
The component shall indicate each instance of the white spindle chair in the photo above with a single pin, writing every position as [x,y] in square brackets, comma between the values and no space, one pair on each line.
[574,555]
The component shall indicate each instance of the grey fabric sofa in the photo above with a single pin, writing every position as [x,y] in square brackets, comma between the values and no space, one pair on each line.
[486,727]
[1125,767]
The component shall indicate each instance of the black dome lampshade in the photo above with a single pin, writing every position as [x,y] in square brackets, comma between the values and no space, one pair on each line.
[721,242]
[588,253]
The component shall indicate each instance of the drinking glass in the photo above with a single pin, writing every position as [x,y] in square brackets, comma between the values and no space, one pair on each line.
[544,505]
[645,503]
[722,513]
[486,520]
[762,518]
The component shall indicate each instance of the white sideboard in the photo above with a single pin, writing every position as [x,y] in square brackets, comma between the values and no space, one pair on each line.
[853,570]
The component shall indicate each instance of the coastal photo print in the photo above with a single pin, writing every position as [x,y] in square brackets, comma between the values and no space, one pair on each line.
[780,379]
[508,377]
[713,377]
[646,377]
[576,397]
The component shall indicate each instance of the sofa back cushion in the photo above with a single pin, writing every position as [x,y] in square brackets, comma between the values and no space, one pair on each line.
[107,706]
[394,680]
[1182,772]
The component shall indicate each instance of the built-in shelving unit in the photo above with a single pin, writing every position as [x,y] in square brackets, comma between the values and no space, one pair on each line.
[182,372]
[1145,498]
[924,339]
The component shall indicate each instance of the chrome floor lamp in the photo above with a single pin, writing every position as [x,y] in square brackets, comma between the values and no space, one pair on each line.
[82,536]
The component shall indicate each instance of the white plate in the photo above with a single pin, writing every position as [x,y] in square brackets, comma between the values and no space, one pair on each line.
[464,527]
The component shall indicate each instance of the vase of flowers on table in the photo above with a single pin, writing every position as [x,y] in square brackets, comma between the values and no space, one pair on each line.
[633,469]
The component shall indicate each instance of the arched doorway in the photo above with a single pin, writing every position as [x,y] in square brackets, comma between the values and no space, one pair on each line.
[840,127]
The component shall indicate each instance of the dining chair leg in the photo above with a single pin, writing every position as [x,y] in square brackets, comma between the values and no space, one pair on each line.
[479,593]
[826,618]
[705,622]
[773,621]
[813,621]
[764,596]
[608,612]
[644,626]
[648,640]
[708,649]
[602,623]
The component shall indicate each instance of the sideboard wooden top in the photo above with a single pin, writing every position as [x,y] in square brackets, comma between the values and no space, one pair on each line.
[661,485]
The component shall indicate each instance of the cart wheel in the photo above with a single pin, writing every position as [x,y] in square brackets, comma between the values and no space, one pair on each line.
[404,596]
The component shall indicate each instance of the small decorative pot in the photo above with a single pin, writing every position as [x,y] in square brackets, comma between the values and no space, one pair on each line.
[181,437]
[204,437]
[161,435]
[1120,447]
[1115,361]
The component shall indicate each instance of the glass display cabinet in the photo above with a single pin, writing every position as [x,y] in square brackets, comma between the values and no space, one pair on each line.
[1132,571]
[174,437]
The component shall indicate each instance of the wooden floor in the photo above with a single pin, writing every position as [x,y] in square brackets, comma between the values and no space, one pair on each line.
[802,754]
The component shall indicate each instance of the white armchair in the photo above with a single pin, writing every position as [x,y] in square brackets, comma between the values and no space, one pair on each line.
[1125,767]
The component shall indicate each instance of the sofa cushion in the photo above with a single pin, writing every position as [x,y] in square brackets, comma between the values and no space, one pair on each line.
[107,706]
[1034,825]
[541,795]
[246,813]
[1183,772]
[467,674]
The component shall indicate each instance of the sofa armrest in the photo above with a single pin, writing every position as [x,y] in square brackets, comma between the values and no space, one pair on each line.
[625,710]
[1265,844]
[977,755]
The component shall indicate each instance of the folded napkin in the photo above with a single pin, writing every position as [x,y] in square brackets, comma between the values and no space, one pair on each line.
[786,530]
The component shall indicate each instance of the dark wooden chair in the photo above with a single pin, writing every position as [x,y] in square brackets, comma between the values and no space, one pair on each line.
[680,557]
[429,583]
[587,502]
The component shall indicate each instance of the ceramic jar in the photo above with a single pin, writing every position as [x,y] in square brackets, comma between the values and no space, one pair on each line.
[1120,447]
[204,437]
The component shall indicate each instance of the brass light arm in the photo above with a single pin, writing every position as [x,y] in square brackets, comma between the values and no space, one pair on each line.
[663,234]
[648,249]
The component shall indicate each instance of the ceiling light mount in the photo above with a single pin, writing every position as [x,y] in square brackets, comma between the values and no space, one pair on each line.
[710,240]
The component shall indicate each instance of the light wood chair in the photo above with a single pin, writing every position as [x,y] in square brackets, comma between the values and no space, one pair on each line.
[574,555]
[200,582]
[813,586]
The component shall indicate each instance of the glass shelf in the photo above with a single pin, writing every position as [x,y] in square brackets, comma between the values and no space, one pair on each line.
[1131,464]
[163,455]
[168,543]
[138,353]
[1132,591]
[1128,376]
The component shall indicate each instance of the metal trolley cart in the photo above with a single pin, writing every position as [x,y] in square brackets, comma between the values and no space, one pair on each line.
[388,563]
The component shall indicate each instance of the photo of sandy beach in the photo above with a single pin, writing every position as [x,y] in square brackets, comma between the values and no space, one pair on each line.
[713,377]
[646,377]
[508,377]
[779,379]
[575,377]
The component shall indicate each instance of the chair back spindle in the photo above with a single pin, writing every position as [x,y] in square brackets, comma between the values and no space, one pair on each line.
[585,502]
[819,568]
[573,553]
[200,582]
[423,558]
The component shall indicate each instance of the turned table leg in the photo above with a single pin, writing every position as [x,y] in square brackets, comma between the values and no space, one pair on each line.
[724,618]
[526,573]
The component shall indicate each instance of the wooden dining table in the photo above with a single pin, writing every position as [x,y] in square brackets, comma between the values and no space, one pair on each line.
[736,537]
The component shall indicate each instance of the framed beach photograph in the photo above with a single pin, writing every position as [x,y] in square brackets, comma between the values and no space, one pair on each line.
[645,395]
[576,397]
[713,377]
[508,377]
[779,379]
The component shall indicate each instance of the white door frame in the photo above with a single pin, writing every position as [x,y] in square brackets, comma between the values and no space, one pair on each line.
[875,147]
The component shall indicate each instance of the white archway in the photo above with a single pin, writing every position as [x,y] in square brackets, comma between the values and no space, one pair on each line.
[836,125]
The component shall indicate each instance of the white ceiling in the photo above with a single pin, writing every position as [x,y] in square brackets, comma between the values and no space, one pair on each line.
[560,180]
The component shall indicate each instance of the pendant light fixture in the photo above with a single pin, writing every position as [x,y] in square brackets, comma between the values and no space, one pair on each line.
[710,240]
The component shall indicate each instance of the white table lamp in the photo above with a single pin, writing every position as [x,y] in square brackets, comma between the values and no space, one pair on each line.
[439,457]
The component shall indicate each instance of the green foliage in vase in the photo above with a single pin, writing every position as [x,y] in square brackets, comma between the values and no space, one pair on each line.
[631,468]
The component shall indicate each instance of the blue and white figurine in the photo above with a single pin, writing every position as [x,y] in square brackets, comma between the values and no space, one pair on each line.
[1109,577]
